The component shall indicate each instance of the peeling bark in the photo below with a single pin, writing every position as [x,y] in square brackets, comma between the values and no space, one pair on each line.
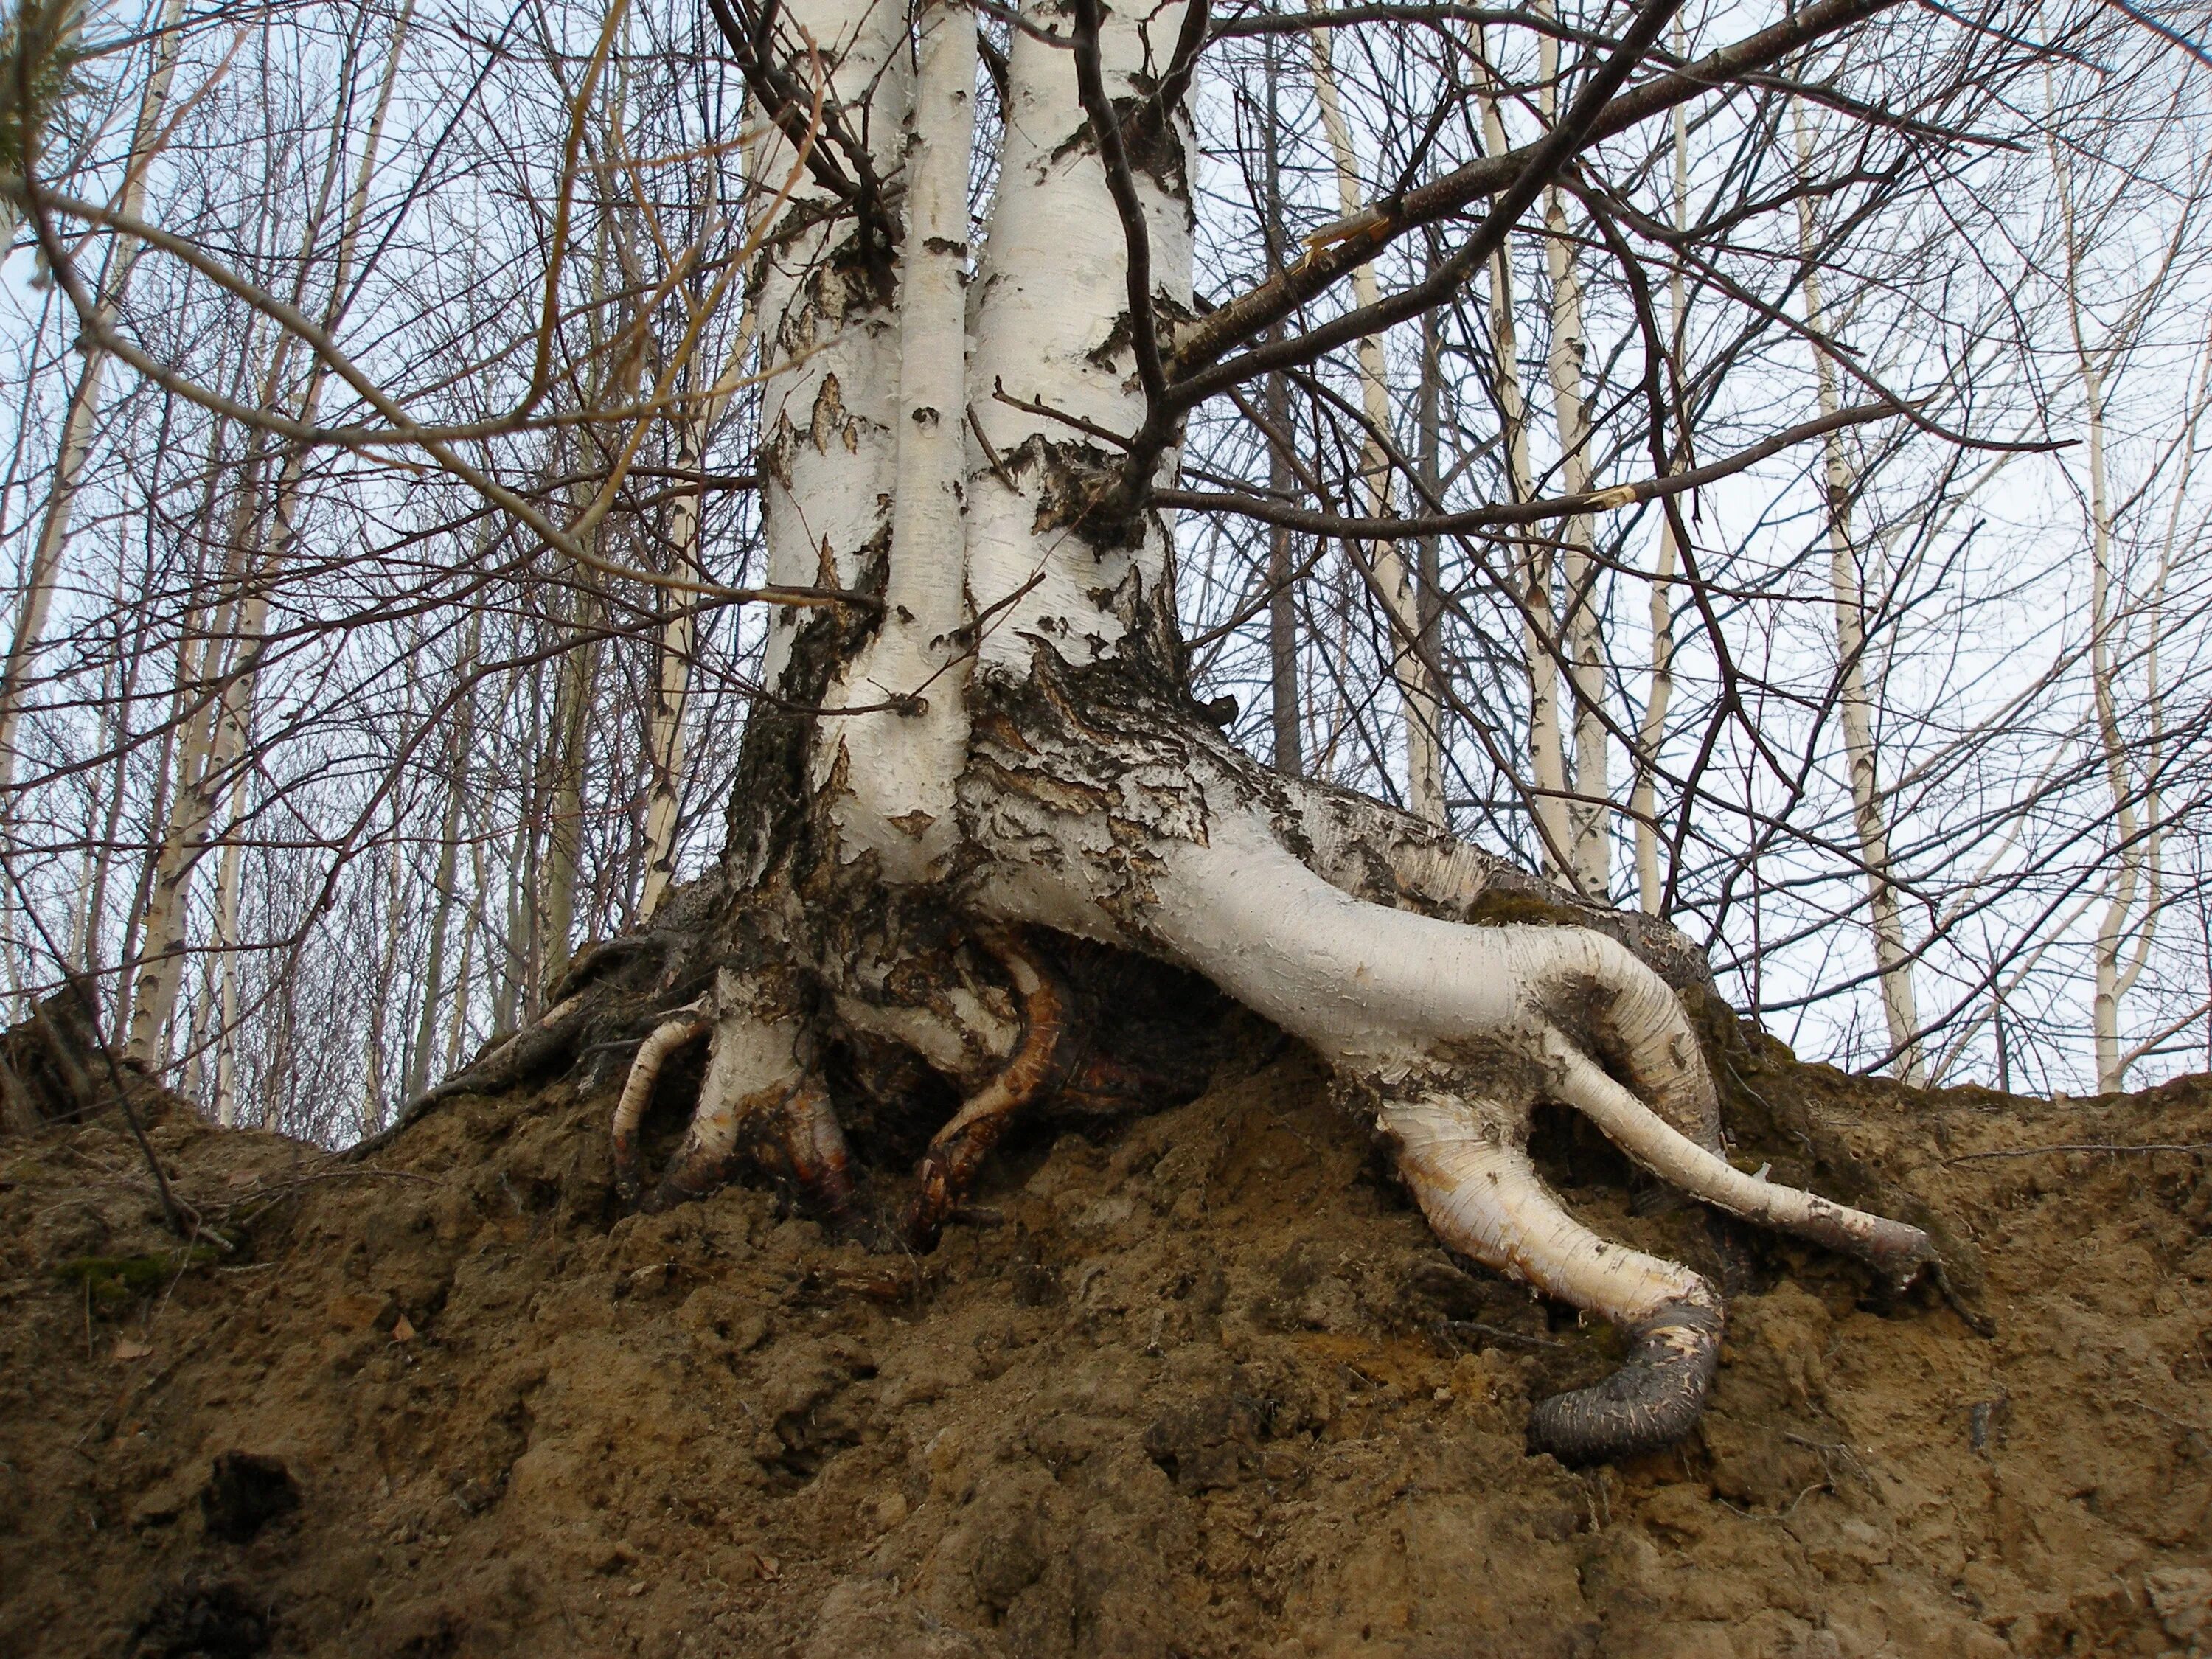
[1011,867]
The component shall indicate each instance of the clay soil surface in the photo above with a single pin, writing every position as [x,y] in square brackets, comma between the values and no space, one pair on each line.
[1203,1385]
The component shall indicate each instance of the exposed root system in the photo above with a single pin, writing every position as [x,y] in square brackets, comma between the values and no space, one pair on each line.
[1197,1383]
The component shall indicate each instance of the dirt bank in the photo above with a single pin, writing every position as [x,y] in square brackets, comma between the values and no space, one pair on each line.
[1206,1386]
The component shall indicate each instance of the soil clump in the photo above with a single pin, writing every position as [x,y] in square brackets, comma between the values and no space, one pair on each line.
[1198,1385]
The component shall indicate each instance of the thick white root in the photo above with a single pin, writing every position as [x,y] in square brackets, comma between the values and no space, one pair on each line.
[686,1026]
[1515,1014]
[1484,1198]
[1891,1246]
[757,1091]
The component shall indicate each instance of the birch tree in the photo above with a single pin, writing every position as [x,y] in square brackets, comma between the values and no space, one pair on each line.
[1419,708]
[37,598]
[984,815]
[1854,708]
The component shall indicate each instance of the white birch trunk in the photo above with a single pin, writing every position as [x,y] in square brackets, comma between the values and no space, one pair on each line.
[2133,845]
[1419,705]
[2155,755]
[228,875]
[1893,960]
[1589,817]
[83,408]
[665,740]
[460,752]
[1548,764]
[899,765]
[574,687]
[1288,716]
[1651,732]
[828,342]
[210,761]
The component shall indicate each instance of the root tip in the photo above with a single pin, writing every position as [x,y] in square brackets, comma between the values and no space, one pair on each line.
[1652,1401]
[1899,1250]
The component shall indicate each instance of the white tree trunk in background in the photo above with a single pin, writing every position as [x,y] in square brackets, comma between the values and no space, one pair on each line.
[672,685]
[1589,817]
[83,407]
[1548,764]
[1651,732]
[1419,704]
[228,874]
[460,766]
[1855,710]
[1287,714]
[575,687]
[215,743]
[2155,757]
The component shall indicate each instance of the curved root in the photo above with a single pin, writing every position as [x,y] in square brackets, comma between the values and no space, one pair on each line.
[1889,1247]
[1652,1401]
[1484,1198]
[1387,994]
[687,1026]
[798,1140]
[758,1101]
[1034,1070]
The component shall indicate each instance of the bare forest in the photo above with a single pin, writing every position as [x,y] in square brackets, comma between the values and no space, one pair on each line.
[977,809]
[382,508]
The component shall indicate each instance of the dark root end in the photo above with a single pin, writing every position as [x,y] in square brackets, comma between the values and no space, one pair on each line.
[1652,1401]
[630,1177]
[1890,1248]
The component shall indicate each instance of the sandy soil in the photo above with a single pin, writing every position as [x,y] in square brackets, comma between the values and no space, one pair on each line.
[1202,1386]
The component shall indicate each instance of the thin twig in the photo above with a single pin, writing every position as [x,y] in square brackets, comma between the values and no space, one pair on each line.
[2200,1146]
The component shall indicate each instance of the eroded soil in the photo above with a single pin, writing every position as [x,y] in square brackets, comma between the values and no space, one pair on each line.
[1204,1386]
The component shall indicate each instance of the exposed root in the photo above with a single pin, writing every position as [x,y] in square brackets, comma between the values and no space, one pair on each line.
[761,1100]
[1034,1070]
[1483,1196]
[1475,1182]
[1457,1030]
[686,1027]
[1516,1013]
[514,1058]
[1652,1401]
[1889,1247]
[798,1142]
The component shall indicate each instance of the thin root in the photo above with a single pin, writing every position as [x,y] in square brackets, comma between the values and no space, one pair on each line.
[1890,1247]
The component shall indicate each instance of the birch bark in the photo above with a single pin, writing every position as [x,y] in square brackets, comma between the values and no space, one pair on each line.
[1589,819]
[459,767]
[1892,962]
[1287,715]
[1548,764]
[1652,730]
[665,740]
